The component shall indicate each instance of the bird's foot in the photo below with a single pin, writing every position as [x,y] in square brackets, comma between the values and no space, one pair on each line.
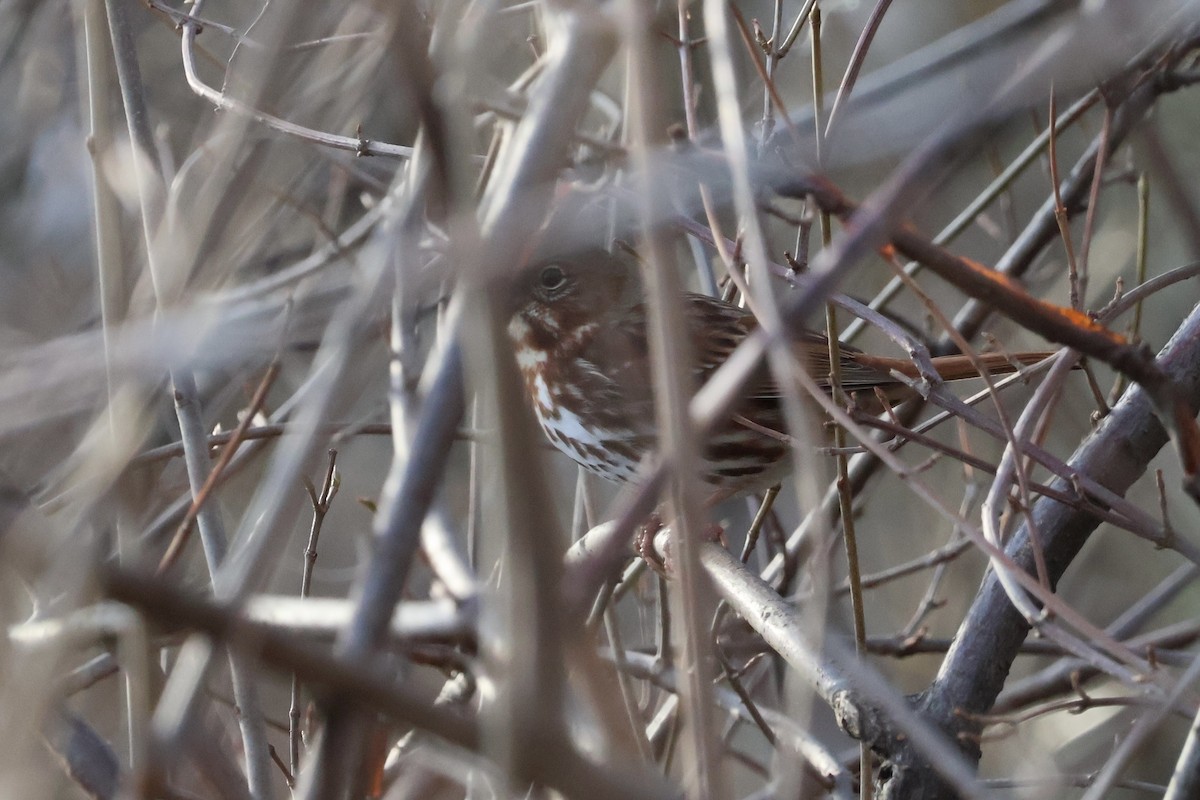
[714,532]
[644,545]
[653,543]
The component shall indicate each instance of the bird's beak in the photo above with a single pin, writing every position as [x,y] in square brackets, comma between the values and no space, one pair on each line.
[513,294]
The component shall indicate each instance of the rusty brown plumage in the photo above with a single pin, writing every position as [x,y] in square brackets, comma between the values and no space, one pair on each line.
[579,332]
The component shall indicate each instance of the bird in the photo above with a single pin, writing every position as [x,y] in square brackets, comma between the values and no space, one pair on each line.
[579,333]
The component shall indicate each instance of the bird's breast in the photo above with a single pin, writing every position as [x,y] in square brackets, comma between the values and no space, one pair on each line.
[571,421]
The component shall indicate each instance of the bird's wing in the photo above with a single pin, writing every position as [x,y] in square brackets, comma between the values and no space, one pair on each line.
[723,327]
[716,328]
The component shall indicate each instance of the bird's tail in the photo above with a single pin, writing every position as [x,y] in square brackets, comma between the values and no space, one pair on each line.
[959,367]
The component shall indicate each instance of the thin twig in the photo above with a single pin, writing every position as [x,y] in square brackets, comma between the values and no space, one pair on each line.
[234,441]
[321,501]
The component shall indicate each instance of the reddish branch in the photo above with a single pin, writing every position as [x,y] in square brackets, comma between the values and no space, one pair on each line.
[1056,323]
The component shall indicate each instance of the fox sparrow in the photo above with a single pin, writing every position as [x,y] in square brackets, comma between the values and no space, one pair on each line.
[580,340]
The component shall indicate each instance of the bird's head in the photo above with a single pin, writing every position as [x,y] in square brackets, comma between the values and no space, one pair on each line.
[554,298]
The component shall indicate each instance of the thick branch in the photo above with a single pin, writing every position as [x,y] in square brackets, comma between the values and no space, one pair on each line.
[977,665]
[367,681]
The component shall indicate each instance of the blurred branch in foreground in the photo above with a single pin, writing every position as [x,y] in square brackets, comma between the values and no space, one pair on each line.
[305,282]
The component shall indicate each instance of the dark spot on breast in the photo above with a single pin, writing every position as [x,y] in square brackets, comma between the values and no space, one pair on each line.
[596,453]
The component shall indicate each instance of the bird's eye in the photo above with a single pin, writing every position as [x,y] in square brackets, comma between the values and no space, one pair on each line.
[552,278]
